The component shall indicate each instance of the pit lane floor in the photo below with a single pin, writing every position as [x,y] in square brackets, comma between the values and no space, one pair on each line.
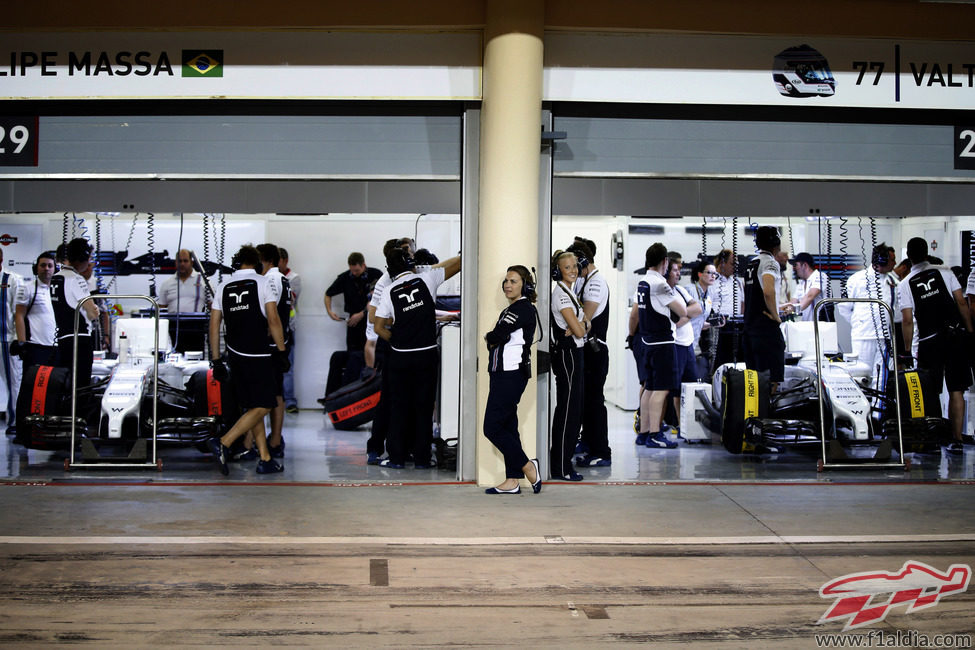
[412,565]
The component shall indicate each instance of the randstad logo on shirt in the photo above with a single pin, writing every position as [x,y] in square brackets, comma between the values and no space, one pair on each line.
[202,63]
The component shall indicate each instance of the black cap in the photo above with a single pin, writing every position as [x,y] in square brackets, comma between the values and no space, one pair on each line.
[803,257]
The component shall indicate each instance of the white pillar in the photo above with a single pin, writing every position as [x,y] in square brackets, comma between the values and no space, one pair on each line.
[508,189]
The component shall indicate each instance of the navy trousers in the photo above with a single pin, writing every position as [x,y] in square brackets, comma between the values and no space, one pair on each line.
[595,432]
[567,367]
[501,419]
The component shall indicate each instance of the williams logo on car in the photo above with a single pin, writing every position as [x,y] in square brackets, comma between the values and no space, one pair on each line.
[202,63]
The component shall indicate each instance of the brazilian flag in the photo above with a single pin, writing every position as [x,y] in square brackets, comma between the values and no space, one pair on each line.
[202,63]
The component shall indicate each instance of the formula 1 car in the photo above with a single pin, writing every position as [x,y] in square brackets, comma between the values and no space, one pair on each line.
[130,398]
[750,419]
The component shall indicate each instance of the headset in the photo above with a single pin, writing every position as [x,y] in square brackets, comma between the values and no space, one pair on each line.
[581,258]
[880,255]
[556,271]
[528,284]
[48,255]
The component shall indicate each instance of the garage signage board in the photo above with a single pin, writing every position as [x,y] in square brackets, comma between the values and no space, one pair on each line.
[241,65]
[759,70]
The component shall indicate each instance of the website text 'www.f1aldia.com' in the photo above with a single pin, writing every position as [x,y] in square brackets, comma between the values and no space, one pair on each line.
[894,639]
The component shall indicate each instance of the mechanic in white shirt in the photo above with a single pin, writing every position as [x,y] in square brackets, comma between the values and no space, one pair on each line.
[870,325]
[811,286]
[35,316]
[10,364]
[184,292]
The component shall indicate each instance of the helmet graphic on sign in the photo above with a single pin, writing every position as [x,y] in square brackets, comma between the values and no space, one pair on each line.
[802,72]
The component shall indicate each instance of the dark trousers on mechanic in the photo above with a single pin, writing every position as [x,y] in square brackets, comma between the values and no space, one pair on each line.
[595,433]
[501,419]
[567,366]
[412,379]
[380,421]
[85,357]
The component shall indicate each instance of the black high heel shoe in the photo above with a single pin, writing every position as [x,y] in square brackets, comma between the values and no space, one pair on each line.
[537,485]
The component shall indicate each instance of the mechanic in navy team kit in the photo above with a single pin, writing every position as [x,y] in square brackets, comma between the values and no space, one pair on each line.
[764,345]
[245,306]
[68,288]
[593,292]
[933,296]
[406,318]
[279,288]
[654,320]
[509,368]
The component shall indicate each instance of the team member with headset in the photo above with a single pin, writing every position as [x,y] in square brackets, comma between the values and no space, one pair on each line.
[656,311]
[569,329]
[35,316]
[870,324]
[68,288]
[509,367]
[406,318]
[764,345]
[593,292]
[244,304]
[933,296]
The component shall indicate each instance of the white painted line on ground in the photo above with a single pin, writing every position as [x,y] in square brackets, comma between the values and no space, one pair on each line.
[483,541]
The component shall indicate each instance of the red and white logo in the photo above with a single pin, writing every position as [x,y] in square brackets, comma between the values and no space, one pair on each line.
[6,239]
[864,598]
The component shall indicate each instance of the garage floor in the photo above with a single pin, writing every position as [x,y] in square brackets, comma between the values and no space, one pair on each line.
[317,453]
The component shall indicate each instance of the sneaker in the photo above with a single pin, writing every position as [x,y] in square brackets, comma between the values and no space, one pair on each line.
[277,452]
[247,454]
[372,458]
[291,408]
[220,454]
[390,464]
[581,448]
[641,439]
[571,476]
[956,448]
[593,461]
[659,441]
[636,422]
[669,428]
[269,466]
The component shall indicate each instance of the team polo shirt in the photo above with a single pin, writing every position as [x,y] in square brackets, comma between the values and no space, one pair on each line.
[10,284]
[727,294]
[243,300]
[377,296]
[68,288]
[40,317]
[653,298]
[703,297]
[684,335]
[758,267]
[868,321]
[564,298]
[927,290]
[512,338]
[816,280]
[279,288]
[192,294]
[594,288]
[409,301]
